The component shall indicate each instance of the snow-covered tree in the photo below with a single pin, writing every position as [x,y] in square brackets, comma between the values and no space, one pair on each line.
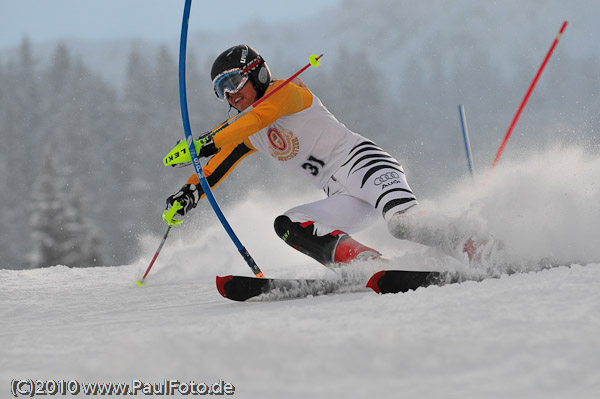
[61,232]
[87,249]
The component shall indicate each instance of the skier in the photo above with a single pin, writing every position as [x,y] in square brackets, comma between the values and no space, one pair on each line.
[361,181]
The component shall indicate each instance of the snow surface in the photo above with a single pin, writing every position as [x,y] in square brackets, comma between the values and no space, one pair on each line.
[531,335]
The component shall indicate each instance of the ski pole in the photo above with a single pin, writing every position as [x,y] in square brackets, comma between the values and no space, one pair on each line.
[314,61]
[167,217]
[539,72]
[140,282]
[180,150]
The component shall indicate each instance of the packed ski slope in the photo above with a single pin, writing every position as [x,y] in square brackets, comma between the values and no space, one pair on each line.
[533,334]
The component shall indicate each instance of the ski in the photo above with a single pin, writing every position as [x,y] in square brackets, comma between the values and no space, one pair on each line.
[242,288]
[396,281]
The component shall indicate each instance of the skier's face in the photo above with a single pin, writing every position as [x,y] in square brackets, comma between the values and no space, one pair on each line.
[244,98]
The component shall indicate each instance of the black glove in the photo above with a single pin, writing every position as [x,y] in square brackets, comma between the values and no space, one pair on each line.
[188,196]
[207,148]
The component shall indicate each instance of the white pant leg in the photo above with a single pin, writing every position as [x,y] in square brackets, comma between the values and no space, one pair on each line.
[373,175]
[337,212]
[369,183]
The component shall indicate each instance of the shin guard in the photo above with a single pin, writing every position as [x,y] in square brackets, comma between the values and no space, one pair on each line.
[334,247]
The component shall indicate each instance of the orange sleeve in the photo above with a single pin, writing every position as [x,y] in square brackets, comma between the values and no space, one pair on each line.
[290,99]
[221,164]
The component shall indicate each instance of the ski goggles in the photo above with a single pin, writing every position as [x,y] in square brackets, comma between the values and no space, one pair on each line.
[230,81]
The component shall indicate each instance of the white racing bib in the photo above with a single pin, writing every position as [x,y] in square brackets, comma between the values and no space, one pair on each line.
[312,140]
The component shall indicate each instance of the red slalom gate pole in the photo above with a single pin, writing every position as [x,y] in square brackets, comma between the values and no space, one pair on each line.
[537,76]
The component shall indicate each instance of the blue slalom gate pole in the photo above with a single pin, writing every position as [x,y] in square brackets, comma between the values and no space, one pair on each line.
[465,132]
[192,148]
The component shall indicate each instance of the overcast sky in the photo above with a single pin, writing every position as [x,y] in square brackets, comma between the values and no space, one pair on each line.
[154,19]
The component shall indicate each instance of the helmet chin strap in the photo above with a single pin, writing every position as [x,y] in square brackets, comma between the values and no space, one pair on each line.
[230,107]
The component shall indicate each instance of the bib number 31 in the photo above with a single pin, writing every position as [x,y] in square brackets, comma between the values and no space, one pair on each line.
[313,165]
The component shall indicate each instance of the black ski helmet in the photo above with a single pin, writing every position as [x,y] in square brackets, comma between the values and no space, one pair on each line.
[248,61]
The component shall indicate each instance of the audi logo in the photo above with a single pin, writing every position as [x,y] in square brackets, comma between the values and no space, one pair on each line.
[385,177]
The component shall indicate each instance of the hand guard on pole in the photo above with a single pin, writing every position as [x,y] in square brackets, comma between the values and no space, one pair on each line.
[180,156]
